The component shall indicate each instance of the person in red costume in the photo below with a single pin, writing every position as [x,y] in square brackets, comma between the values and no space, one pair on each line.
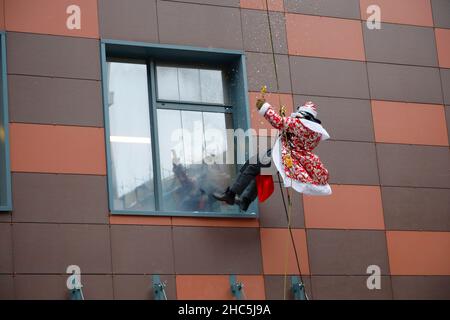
[292,154]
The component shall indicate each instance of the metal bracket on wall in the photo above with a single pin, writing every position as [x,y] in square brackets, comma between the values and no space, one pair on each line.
[159,288]
[298,289]
[76,293]
[237,288]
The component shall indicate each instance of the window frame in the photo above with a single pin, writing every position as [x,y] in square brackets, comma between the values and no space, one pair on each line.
[158,54]
[5,123]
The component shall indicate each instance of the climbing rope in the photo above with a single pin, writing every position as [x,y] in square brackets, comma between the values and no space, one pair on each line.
[288,208]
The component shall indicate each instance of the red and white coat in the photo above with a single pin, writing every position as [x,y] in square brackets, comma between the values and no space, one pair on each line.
[308,175]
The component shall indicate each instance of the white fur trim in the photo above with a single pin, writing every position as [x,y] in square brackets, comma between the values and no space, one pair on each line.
[264,108]
[305,188]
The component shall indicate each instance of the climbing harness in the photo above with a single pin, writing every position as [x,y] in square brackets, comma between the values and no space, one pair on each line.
[289,164]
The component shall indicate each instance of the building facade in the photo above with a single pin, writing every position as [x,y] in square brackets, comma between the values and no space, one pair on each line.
[89,177]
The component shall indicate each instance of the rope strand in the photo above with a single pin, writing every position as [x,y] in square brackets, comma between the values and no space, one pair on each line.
[288,208]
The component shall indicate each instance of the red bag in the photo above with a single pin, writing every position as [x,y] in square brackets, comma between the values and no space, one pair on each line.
[265,187]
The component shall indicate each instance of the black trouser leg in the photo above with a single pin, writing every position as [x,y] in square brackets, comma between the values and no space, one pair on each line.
[245,177]
[251,192]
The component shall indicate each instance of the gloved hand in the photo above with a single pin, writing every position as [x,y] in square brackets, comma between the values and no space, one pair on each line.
[259,103]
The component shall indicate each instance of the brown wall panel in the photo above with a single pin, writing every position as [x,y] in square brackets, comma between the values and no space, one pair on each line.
[349,288]
[413,166]
[141,250]
[328,77]
[196,25]
[59,198]
[55,101]
[447,116]
[128,20]
[57,149]
[344,119]
[54,56]
[335,8]
[53,287]
[50,17]
[51,248]
[275,289]
[273,214]
[217,250]
[6,252]
[260,71]
[349,162]
[139,287]
[404,83]
[417,45]
[278,28]
[421,288]
[6,287]
[445,78]
[416,208]
[441,13]
[31,287]
[343,252]
[255,30]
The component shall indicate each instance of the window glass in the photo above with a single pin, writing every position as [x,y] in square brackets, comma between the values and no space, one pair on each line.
[131,155]
[168,83]
[211,86]
[192,151]
[190,85]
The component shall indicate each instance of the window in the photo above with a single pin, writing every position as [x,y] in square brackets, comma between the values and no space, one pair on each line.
[5,175]
[168,114]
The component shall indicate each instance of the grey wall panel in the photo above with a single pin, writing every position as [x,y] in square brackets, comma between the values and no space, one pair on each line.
[401,44]
[404,83]
[59,198]
[55,101]
[346,252]
[329,77]
[128,20]
[54,56]
[197,25]
[217,250]
[414,166]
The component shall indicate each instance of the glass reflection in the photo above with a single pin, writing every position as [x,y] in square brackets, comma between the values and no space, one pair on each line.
[192,148]
[129,120]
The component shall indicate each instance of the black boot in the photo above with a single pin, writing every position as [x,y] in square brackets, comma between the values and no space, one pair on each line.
[243,203]
[227,196]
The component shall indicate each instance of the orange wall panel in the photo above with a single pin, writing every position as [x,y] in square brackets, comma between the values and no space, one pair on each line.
[443,47]
[2,14]
[215,222]
[215,287]
[412,123]
[278,251]
[324,37]
[57,149]
[140,220]
[50,17]
[349,207]
[414,12]
[419,253]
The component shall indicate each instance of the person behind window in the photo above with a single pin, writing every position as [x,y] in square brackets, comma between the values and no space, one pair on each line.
[292,154]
